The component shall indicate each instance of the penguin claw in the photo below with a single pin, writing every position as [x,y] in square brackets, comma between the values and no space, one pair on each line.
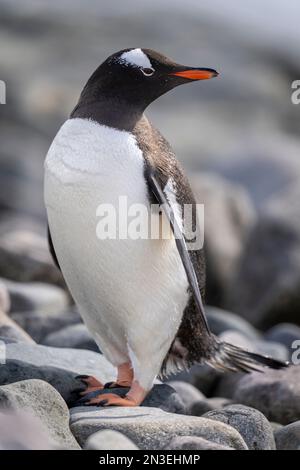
[92,384]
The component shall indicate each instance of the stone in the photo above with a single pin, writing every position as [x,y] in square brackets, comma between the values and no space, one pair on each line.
[266,290]
[250,423]
[4,298]
[194,443]
[222,320]
[187,392]
[64,381]
[23,431]
[25,257]
[276,393]
[73,336]
[35,296]
[109,440]
[10,330]
[287,334]
[288,437]
[227,205]
[201,407]
[202,377]
[44,402]
[150,428]
[40,324]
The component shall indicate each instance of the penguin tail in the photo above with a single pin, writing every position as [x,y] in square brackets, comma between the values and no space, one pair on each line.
[227,357]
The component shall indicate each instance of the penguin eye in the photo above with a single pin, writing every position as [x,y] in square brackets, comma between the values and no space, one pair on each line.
[148,72]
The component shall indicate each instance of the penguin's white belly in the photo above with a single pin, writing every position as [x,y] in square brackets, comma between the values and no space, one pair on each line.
[131,293]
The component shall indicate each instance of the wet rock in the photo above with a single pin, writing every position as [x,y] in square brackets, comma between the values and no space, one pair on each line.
[250,423]
[288,437]
[109,440]
[44,402]
[73,336]
[201,407]
[150,428]
[194,443]
[276,393]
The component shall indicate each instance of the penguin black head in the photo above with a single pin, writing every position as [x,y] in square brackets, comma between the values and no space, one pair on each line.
[138,76]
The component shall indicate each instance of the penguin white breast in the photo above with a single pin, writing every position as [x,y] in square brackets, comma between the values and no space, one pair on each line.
[124,288]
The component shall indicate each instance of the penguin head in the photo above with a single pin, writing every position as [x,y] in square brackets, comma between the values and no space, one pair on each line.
[139,76]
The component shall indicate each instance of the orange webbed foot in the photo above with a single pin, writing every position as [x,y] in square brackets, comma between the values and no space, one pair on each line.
[111,399]
[91,382]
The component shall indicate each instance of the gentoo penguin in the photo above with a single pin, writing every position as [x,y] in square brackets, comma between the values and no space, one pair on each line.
[140,298]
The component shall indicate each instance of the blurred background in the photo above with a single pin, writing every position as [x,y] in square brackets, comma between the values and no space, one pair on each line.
[237,136]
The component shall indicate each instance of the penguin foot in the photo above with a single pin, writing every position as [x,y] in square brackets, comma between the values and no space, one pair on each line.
[111,399]
[134,397]
[91,382]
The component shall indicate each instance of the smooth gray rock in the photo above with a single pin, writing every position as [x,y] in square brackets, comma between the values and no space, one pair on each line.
[194,443]
[201,407]
[109,440]
[250,423]
[222,320]
[35,296]
[203,377]
[229,206]
[288,437]
[25,257]
[287,334]
[78,361]
[187,392]
[10,330]
[266,288]
[150,428]
[44,402]
[276,393]
[40,324]
[23,431]
[73,336]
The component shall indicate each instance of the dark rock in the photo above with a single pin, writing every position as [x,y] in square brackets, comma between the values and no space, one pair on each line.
[250,423]
[194,443]
[73,336]
[62,380]
[150,428]
[288,437]
[276,393]
[109,440]
[44,402]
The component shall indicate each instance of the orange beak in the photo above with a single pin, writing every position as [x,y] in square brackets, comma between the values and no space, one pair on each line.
[196,74]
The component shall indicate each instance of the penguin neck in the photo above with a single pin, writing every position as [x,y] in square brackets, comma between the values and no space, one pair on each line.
[111,112]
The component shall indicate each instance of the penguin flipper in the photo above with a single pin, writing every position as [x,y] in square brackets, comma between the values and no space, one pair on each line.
[162,200]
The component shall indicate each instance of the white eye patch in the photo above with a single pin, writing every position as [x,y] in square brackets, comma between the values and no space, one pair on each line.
[136,57]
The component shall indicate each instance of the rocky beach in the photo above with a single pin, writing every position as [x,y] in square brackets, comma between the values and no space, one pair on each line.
[238,140]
